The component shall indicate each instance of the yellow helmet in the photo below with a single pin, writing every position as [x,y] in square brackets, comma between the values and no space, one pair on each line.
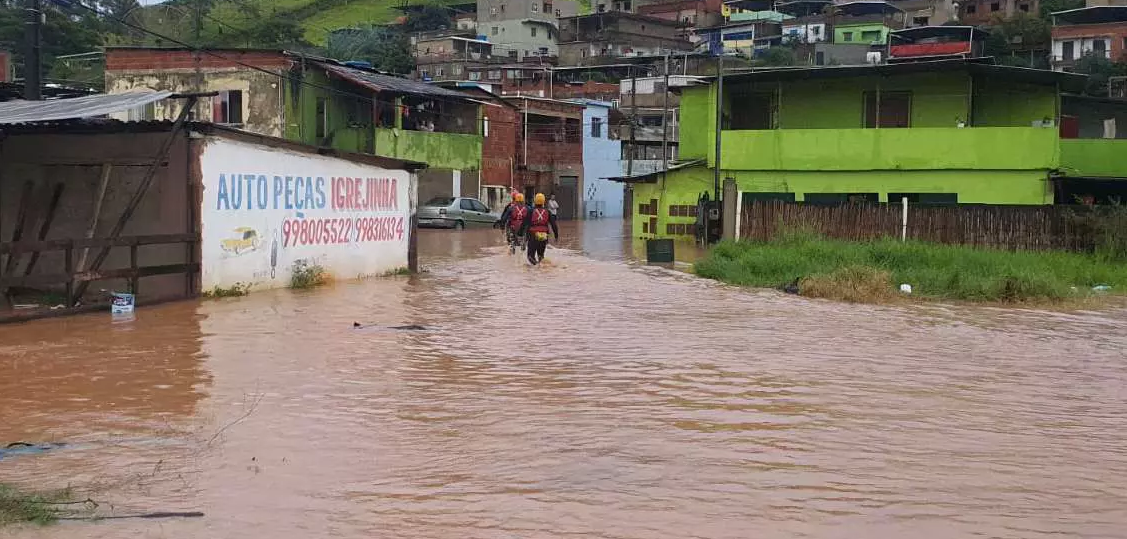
[519,197]
[539,200]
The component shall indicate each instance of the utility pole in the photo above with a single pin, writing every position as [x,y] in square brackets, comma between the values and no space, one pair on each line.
[33,62]
[665,124]
[633,121]
[719,121]
[199,21]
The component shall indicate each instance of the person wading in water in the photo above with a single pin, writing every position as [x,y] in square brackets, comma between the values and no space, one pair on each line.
[512,220]
[537,225]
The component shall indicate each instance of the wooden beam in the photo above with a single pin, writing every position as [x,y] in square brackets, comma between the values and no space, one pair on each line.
[107,168]
[142,189]
[52,206]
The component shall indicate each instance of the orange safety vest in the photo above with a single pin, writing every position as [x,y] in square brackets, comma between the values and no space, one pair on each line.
[516,217]
[541,220]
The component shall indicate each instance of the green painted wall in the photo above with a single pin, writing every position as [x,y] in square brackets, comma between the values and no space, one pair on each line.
[857,30]
[1000,103]
[1094,157]
[939,100]
[684,186]
[440,150]
[697,116]
[986,148]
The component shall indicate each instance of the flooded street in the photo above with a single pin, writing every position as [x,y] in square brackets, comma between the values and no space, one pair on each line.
[590,398]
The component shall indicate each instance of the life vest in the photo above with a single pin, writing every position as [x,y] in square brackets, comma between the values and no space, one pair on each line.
[541,220]
[517,215]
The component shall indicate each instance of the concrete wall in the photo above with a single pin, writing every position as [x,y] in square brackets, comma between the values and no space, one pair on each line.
[684,186]
[266,209]
[184,71]
[601,157]
[76,161]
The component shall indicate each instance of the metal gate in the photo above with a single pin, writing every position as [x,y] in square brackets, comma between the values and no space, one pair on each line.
[567,194]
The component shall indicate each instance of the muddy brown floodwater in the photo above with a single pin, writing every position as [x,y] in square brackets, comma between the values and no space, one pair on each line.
[590,398]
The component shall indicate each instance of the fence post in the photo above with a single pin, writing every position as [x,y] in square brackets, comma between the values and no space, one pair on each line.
[904,219]
[133,279]
[70,274]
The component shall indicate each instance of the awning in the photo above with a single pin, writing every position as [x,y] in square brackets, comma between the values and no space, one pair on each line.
[651,177]
[15,112]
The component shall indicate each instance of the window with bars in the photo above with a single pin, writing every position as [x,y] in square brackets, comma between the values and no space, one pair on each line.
[683,210]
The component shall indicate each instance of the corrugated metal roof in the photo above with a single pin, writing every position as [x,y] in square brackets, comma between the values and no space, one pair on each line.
[14,112]
[387,83]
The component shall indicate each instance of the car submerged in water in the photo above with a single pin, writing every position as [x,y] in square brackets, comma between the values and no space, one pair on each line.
[456,212]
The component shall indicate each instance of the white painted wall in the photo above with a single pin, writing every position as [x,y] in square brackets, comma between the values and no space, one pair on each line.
[1080,47]
[298,207]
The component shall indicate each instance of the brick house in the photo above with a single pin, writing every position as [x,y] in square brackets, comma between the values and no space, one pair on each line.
[1100,30]
[980,12]
[550,150]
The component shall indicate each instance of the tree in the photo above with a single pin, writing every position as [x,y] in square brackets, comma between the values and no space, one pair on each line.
[63,32]
[387,49]
[430,17]
[778,56]
[1048,7]
[1099,71]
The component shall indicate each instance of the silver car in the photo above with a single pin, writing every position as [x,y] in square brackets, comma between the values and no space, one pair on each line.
[456,212]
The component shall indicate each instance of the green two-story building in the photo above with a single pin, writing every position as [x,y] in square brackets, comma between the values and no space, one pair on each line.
[316,101]
[945,131]
[354,109]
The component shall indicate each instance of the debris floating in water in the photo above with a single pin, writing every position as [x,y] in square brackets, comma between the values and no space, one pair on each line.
[408,327]
[28,448]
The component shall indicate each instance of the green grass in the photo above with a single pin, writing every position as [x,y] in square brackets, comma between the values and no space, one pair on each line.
[17,506]
[946,272]
[402,270]
[317,17]
[235,290]
[306,275]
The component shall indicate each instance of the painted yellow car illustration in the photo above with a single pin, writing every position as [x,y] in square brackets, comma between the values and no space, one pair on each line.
[246,239]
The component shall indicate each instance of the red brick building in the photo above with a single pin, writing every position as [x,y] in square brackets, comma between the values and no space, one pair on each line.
[550,152]
[984,12]
[1100,30]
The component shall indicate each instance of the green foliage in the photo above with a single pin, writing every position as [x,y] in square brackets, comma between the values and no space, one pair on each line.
[778,57]
[235,290]
[1099,70]
[1020,41]
[30,507]
[387,49]
[429,17]
[64,32]
[948,272]
[1048,7]
[306,275]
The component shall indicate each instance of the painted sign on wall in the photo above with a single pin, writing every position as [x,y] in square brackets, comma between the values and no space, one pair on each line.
[265,209]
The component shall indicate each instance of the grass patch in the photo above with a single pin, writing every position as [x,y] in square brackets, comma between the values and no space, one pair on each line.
[306,275]
[402,270]
[17,506]
[873,271]
[235,290]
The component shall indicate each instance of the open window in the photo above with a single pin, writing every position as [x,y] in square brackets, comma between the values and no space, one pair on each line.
[227,107]
[752,110]
[893,108]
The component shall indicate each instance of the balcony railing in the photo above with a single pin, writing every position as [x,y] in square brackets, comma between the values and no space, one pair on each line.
[972,148]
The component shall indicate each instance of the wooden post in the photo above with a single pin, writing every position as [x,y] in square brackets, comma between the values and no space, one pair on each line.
[69,266]
[133,279]
[106,169]
[51,208]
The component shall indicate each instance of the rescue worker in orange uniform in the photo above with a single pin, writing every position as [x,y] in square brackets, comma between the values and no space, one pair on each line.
[539,222]
[513,220]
